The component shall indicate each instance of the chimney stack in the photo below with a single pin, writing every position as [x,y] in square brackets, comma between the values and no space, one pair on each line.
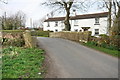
[74,12]
[52,14]
[47,16]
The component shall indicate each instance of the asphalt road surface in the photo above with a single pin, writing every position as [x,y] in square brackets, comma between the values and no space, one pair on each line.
[73,60]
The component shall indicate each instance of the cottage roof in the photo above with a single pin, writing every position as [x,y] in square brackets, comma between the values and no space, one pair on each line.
[85,16]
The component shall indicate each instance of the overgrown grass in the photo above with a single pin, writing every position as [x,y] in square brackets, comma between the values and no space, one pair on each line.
[22,63]
[115,53]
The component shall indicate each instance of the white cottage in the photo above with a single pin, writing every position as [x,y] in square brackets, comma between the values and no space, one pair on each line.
[96,23]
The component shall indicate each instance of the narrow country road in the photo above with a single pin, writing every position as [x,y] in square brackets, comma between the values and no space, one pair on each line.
[73,60]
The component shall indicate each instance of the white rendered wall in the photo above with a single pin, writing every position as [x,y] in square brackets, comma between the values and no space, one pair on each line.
[91,23]
[81,23]
[52,27]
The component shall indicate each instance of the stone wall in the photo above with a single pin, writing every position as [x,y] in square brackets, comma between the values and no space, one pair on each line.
[74,36]
[19,39]
[30,42]
[12,39]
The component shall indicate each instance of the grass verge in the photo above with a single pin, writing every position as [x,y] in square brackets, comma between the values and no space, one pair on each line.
[22,63]
[115,53]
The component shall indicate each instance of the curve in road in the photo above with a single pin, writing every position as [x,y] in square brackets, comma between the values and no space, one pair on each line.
[76,61]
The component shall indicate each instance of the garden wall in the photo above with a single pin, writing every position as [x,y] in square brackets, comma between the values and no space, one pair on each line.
[74,36]
[30,41]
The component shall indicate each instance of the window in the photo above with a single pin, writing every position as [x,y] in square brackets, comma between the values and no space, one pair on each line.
[96,31]
[56,30]
[56,23]
[75,22]
[80,30]
[85,28]
[76,30]
[48,24]
[96,21]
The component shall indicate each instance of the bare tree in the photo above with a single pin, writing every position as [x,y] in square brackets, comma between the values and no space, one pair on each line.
[20,18]
[66,5]
[107,4]
[41,22]
[116,23]
[113,7]
[13,21]
[35,24]
[109,7]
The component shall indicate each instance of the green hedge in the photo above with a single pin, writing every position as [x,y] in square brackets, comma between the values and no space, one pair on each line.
[109,49]
[40,33]
[104,45]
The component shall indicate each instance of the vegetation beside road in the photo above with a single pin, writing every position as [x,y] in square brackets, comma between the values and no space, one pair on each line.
[40,33]
[22,63]
[19,60]
[104,43]
[111,50]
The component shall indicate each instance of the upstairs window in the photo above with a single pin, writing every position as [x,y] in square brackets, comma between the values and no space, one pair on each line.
[62,23]
[75,22]
[96,31]
[97,21]
[56,24]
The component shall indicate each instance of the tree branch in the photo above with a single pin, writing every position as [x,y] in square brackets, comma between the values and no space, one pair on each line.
[4,2]
[70,4]
[115,10]
[65,5]
[118,3]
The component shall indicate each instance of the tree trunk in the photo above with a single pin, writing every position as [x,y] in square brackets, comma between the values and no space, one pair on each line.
[109,17]
[66,22]
[116,24]
[118,20]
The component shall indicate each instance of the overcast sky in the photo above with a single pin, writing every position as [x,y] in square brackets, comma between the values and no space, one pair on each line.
[31,8]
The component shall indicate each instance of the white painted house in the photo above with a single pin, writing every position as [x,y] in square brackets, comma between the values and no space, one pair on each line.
[96,23]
